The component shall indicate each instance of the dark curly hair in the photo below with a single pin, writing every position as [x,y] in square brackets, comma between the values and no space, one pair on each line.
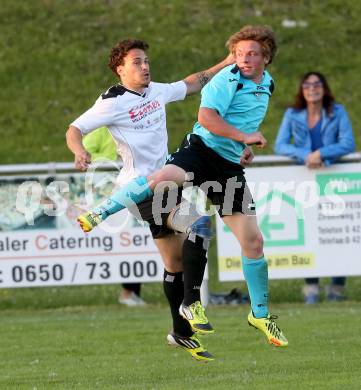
[264,35]
[122,48]
[328,99]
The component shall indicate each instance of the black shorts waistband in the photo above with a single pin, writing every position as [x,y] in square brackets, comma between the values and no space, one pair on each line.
[195,139]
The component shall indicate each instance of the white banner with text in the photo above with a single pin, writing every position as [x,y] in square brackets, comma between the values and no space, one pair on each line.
[310,221]
[42,245]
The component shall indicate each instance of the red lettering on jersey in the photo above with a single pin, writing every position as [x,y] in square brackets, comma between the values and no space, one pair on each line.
[143,110]
[132,114]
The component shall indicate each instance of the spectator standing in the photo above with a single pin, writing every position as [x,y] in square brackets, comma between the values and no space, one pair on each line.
[316,132]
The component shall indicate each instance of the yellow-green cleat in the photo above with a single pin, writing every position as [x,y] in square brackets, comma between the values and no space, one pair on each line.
[88,221]
[196,317]
[269,327]
[192,345]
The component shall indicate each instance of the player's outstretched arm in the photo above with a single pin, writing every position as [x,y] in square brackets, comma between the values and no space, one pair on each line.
[82,158]
[209,119]
[196,81]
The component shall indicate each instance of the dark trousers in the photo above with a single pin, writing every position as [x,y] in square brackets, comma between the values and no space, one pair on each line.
[135,287]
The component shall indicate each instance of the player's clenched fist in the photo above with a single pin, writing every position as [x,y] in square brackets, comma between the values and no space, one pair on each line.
[255,139]
[82,160]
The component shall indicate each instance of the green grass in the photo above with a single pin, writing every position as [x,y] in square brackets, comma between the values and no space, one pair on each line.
[52,67]
[121,348]
[54,53]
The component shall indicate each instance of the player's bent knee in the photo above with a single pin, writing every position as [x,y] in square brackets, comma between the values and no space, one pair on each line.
[254,246]
[168,174]
[259,241]
[158,179]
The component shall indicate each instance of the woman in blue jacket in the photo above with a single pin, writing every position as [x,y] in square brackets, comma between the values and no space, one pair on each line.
[316,131]
[319,128]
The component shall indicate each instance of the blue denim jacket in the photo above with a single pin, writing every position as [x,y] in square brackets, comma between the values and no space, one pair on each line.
[336,133]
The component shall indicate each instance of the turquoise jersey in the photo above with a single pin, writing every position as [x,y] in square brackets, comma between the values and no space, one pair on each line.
[240,102]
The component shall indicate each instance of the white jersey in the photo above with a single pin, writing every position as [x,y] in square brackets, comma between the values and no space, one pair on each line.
[137,123]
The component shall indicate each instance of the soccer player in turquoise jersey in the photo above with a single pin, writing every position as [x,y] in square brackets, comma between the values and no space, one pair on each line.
[233,106]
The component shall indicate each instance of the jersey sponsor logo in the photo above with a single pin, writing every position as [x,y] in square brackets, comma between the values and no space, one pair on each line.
[272,87]
[141,111]
[230,80]
[235,69]
[252,206]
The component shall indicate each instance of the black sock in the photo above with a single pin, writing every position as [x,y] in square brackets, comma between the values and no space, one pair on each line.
[194,264]
[174,290]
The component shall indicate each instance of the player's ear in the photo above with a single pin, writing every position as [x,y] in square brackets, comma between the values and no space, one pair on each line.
[119,70]
[266,60]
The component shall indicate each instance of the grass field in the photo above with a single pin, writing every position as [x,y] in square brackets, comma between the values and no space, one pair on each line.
[52,67]
[121,348]
[54,56]
[79,338]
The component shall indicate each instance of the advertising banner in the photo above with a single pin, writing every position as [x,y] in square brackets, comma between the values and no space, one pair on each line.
[310,221]
[42,245]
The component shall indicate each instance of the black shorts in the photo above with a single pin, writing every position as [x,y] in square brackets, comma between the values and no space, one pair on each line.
[222,181]
[156,209]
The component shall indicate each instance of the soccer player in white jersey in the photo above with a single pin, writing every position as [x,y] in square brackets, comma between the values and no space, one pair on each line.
[134,112]
[233,106]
